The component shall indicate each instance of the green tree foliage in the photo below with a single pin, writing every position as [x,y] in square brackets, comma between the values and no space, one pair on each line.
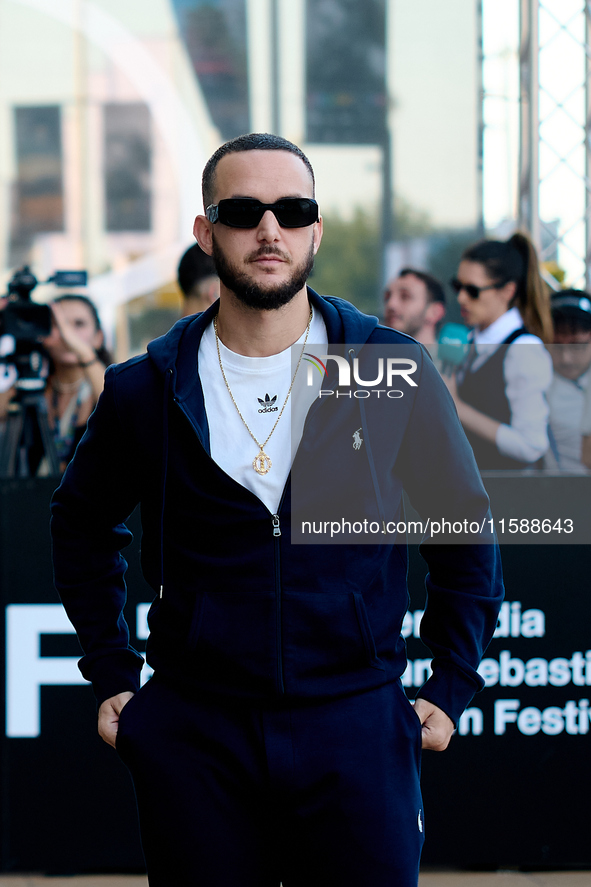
[409,221]
[349,260]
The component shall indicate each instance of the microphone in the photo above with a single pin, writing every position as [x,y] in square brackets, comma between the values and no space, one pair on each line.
[452,346]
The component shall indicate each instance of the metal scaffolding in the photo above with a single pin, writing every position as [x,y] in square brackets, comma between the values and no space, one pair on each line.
[555,117]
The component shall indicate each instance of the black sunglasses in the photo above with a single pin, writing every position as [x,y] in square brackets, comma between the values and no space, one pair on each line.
[246,212]
[471,290]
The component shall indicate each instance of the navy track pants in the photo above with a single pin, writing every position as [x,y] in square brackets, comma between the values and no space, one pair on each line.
[232,794]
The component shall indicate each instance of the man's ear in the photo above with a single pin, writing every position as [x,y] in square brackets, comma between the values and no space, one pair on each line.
[435,312]
[202,231]
[318,229]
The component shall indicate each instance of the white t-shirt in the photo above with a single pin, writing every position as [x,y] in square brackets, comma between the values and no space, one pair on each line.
[567,400]
[259,386]
[586,416]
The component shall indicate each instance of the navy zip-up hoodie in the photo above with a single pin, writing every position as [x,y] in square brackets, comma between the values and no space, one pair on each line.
[239,610]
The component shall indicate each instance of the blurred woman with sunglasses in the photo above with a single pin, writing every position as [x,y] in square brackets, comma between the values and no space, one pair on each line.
[499,391]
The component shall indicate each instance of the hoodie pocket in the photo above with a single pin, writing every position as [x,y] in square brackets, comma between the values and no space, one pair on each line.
[327,636]
[233,641]
[366,632]
[122,725]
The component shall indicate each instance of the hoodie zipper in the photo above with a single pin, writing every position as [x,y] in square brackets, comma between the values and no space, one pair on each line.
[276,528]
[278,610]
[276,523]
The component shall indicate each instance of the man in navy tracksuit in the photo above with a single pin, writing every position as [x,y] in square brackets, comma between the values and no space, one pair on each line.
[275,742]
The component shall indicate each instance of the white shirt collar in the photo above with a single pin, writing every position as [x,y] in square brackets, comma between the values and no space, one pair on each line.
[498,331]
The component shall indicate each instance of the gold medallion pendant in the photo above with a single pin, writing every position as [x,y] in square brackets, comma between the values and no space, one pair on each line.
[262,463]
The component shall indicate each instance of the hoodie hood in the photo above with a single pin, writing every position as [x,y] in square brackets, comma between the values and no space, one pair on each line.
[177,350]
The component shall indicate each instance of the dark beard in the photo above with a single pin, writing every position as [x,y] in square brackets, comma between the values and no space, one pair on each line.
[250,293]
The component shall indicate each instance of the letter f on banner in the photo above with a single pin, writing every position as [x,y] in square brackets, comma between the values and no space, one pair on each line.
[26,670]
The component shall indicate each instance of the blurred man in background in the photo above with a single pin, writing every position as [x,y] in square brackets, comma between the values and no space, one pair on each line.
[414,303]
[198,281]
[571,357]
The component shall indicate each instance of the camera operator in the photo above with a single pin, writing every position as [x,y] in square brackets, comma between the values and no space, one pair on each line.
[8,373]
[52,363]
[78,360]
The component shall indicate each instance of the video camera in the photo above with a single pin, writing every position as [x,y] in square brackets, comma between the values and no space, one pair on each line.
[24,365]
[23,323]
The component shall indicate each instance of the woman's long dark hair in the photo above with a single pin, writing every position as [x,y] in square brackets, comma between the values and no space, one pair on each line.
[103,354]
[516,260]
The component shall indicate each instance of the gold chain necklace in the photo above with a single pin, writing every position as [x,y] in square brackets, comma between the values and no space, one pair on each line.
[261,463]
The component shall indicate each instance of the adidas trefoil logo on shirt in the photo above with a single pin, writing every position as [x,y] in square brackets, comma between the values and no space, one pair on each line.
[268,404]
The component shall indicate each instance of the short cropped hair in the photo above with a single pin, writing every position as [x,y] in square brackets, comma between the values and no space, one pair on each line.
[435,291]
[194,267]
[253,141]
[571,311]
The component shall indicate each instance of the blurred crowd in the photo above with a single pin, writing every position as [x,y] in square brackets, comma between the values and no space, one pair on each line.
[520,376]
[519,371]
